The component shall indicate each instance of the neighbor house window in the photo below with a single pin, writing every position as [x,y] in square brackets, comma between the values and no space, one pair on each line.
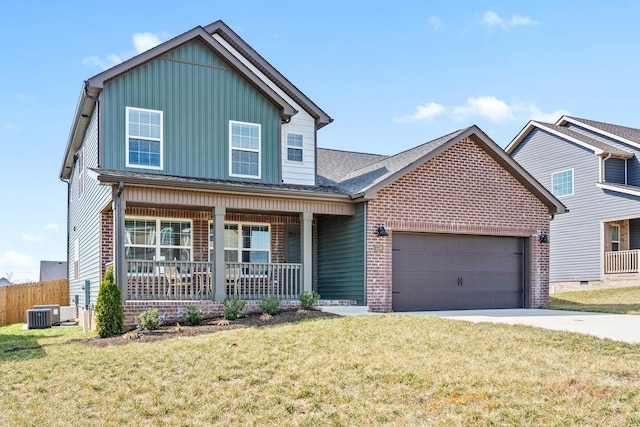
[144,138]
[244,243]
[615,238]
[562,183]
[157,239]
[244,147]
[294,147]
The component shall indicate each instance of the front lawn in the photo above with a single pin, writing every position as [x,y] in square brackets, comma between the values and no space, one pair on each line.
[365,370]
[618,300]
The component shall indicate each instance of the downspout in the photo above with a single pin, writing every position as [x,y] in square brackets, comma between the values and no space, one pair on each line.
[68,182]
[97,101]
[602,170]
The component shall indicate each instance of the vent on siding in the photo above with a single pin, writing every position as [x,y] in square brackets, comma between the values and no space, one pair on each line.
[38,319]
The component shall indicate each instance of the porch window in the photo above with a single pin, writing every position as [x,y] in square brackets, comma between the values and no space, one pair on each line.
[144,138]
[615,238]
[562,183]
[245,146]
[157,239]
[294,147]
[244,243]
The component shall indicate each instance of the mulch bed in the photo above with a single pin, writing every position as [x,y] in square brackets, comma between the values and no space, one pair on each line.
[207,326]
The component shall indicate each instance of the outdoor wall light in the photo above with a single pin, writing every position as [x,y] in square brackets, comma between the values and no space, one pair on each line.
[381,232]
[543,238]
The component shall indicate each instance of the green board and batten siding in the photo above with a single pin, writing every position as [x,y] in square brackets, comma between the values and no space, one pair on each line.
[198,94]
[341,256]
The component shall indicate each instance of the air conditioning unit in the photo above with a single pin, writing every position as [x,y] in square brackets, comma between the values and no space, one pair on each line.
[55,312]
[38,319]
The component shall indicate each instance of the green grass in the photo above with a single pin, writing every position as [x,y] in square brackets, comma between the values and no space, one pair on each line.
[366,370]
[618,300]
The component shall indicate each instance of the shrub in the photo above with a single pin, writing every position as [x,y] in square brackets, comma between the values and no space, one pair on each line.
[149,320]
[109,312]
[270,305]
[233,308]
[192,316]
[308,299]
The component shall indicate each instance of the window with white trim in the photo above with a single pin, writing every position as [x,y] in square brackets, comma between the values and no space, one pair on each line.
[615,238]
[562,183]
[144,138]
[244,242]
[294,147]
[244,149]
[157,239]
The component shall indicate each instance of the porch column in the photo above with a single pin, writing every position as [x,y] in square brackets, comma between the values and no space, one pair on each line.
[306,247]
[120,268]
[219,278]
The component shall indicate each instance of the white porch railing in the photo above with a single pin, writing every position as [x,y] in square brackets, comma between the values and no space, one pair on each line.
[621,262]
[182,280]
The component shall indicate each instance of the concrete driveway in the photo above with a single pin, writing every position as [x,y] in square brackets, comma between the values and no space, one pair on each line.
[618,327]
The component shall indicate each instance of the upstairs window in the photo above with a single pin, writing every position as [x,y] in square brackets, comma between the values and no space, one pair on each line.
[294,147]
[244,147]
[562,183]
[144,138]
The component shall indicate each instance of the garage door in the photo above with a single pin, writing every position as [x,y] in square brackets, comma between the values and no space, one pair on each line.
[456,272]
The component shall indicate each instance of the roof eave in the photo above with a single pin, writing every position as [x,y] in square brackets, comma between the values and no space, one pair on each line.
[79,125]
[321,118]
[98,81]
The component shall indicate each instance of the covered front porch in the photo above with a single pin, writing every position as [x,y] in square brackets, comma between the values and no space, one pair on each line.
[621,248]
[182,245]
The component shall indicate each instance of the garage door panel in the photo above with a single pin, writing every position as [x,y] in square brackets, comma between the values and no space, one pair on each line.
[447,272]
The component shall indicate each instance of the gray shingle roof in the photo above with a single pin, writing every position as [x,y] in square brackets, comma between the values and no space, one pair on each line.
[364,176]
[631,134]
[333,165]
[609,148]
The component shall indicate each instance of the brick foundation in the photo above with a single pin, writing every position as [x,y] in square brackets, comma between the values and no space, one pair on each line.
[462,190]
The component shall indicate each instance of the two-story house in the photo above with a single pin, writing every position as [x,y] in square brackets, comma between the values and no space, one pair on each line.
[193,169]
[593,168]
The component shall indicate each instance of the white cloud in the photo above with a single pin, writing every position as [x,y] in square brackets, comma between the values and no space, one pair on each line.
[435,22]
[141,42]
[145,41]
[485,107]
[492,19]
[423,112]
[29,237]
[12,127]
[22,268]
[51,226]
[39,235]
[488,107]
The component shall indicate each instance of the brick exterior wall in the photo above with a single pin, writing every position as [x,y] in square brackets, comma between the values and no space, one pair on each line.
[462,190]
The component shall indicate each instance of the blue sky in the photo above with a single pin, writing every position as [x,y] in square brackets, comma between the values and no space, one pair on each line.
[391,74]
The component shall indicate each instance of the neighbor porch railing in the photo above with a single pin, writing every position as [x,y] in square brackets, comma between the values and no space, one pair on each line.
[621,262]
[183,280]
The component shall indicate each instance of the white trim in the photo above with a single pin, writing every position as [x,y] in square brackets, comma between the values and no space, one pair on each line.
[160,140]
[573,181]
[259,150]
[565,119]
[158,246]
[81,173]
[630,191]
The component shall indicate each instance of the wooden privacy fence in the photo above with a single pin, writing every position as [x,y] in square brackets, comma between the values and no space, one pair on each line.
[15,300]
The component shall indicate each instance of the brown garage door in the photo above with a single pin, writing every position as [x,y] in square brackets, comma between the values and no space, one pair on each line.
[456,272]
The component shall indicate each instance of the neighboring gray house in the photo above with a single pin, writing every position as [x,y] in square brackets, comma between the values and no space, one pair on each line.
[53,270]
[593,168]
[4,281]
